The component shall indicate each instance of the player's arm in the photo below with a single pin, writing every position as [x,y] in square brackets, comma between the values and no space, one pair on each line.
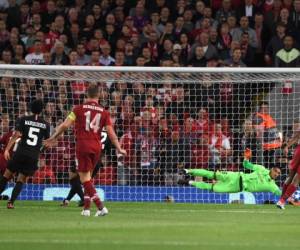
[247,164]
[68,122]
[290,142]
[17,134]
[114,139]
[276,190]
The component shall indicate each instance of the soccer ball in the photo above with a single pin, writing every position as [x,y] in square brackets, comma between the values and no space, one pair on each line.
[296,195]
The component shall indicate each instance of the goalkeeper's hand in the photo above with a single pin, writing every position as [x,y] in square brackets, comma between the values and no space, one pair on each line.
[247,154]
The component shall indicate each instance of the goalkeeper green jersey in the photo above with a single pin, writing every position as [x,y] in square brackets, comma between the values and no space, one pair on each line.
[259,180]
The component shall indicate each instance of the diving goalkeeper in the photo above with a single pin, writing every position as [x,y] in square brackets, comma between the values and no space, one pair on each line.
[260,180]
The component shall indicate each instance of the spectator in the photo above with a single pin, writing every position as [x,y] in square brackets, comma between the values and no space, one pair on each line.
[59,56]
[226,11]
[263,37]
[294,20]
[120,58]
[168,33]
[73,40]
[224,41]
[146,149]
[44,174]
[172,158]
[210,52]
[105,58]
[220,146]
[188,17]
[244,27]
[19,54]
[6,57]
[288,56]
[236,59]
[47,58]
[167,50]
[146,53]
[185,47]
[29,37]
[200,153]
[199,59]
[272,16]
[248,52]
[37,56]
[49,15]
[268,134]
[83,58]
[73,57]
[275,44]
[4,34]
[36,22]
[249,10]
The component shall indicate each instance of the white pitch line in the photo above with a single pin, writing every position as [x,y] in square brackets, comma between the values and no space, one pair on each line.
[151,243]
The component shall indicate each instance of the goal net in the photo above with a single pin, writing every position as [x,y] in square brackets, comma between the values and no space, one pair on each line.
[167,119]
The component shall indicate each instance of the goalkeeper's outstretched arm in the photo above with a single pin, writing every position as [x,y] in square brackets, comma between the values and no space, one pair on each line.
[247,164]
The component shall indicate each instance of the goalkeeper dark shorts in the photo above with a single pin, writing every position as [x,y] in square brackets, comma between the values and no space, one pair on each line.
[22,163]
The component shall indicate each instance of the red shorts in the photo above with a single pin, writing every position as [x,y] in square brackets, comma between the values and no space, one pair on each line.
[295,162]
[3,164]
[87,160]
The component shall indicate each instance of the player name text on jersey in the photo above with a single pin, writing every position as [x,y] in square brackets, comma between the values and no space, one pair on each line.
[35,124]
[87,106]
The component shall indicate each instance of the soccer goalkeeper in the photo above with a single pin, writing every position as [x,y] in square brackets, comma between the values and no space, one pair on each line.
[260,180]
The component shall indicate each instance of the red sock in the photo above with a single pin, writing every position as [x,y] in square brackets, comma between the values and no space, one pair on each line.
[284,187]
[97,201]
[289,191]
[90,190]
[87,202]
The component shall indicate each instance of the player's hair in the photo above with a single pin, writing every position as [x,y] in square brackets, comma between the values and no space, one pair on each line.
[37,106]
[93,91]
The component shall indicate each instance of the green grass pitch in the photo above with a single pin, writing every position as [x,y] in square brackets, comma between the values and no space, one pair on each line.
[143,226]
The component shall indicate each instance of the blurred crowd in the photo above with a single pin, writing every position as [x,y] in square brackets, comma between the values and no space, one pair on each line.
[232,33]
[164,127]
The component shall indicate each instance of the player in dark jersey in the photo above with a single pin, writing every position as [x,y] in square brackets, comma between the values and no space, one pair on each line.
[89,119]
[31,130]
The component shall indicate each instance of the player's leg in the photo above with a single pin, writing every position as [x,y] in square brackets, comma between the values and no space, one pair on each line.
[289,190]
[288,181]
[75,189]
[86,164]
[4,179]
[291,183]
[21,179]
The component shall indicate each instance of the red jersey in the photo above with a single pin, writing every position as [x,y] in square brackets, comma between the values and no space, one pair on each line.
[3,143]
[89,119]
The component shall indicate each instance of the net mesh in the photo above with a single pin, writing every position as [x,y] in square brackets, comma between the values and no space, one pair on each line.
[167,121]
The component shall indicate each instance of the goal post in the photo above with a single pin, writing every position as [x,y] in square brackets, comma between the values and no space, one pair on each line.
[166,118]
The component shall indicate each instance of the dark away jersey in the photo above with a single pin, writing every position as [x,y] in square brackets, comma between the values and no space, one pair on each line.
[34,130]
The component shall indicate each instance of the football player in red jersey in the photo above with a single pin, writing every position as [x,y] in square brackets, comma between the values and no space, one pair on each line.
[292,181]
[4,139]
[89,119]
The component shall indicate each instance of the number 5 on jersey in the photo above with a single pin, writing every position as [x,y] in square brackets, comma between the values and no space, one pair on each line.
[33,136]
[94,124]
